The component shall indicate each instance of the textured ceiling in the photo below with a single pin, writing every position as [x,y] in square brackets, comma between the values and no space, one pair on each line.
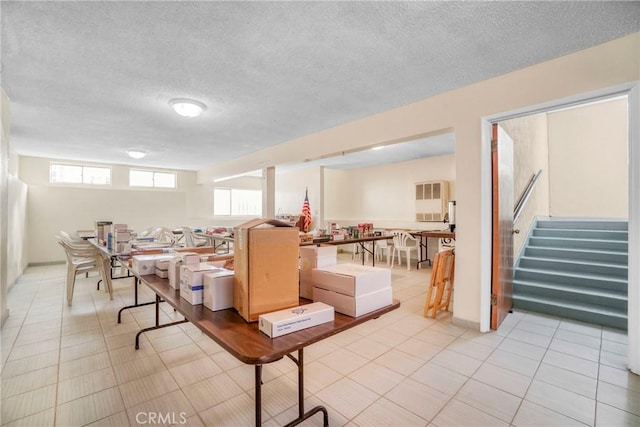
[89,80]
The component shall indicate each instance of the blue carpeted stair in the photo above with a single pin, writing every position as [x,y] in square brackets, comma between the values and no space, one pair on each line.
[576,269]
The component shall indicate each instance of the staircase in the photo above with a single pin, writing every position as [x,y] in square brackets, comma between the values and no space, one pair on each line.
[575,269]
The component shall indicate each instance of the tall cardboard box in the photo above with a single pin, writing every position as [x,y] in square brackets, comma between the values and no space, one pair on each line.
[266,267]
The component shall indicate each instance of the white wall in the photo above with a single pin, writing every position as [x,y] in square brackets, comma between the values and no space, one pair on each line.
[200,201]
[464,111]
[53,207]
[588,160]
[290,191]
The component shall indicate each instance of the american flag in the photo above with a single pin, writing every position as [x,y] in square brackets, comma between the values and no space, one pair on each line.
[306,213]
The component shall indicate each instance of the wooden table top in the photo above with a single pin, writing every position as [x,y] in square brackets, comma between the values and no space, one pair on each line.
[442,234]
[346,241]
[243,340]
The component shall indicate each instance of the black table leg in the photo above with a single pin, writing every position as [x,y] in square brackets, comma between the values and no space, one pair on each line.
[302,415]
[157,325]
[136,281]
[258,395]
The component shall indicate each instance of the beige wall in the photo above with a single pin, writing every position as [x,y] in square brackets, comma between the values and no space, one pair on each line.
[463,110]
[52,207]
[385,194]
[530,154]
[17,255]
[290,191]
[588,161]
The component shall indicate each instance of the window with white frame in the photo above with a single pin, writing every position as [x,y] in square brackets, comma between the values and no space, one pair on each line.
[144,178]
[60,173]
[236,202]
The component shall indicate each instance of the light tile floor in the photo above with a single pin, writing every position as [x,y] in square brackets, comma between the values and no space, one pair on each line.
[75,366]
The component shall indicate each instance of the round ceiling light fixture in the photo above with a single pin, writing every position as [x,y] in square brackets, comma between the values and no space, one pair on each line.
[136,154]
[187,107]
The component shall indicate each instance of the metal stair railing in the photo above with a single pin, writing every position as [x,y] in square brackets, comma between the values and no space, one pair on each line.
[524,197]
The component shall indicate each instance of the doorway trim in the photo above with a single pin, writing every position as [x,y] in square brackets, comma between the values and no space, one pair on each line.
[632,91]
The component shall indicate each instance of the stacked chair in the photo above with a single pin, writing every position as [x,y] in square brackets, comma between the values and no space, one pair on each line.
[191,240]
[83,257]
[441,282]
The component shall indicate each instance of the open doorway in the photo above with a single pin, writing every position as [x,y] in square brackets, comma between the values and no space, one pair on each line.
[578,157]
[633,180]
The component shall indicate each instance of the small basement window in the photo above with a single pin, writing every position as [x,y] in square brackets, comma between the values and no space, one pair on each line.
[143,178]
[78,174]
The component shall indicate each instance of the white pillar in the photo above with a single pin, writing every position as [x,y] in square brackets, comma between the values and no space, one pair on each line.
[269,192]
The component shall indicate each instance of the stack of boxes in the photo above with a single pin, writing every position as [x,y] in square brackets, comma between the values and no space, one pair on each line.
[191,281]
[102,231]
[121,238]
[314,257]
[143,265]
[178,261]
[352,289]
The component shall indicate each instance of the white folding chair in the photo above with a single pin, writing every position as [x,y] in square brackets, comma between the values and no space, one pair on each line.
[83,258]
[403,242]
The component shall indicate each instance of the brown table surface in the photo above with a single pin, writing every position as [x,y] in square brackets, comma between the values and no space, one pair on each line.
[439,234]
[346,241]
[243,340]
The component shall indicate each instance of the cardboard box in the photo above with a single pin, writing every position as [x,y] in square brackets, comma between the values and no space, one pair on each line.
[354,306]
[191,293]
[266,267]
[294,319]
[146,264]
[351,279]
[218,290]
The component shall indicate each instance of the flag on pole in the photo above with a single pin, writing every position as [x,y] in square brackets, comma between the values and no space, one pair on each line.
[306,213]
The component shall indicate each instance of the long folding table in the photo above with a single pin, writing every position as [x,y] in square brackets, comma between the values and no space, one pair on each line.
[246,343]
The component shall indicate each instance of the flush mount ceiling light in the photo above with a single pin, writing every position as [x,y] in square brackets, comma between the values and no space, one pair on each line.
[136,154]
[379,147]
[187,107]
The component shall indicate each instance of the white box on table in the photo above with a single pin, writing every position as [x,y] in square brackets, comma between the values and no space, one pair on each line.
[191,274]
[146,264]
[318,251]
[306,288]
[351,279]
[191,293]
[354,306]
[309,263]
[163,274]
[162,268]
[218,290]
[293,319]
[180,259]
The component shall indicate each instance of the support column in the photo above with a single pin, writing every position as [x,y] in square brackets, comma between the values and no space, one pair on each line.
[269,192]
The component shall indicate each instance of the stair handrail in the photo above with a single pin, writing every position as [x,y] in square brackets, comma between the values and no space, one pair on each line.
[524,197]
